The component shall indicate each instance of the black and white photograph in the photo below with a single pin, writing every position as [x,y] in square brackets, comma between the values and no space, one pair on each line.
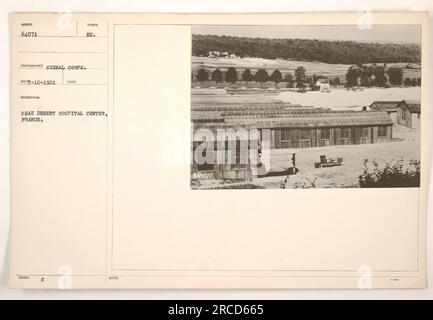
[235,154]
[298,107]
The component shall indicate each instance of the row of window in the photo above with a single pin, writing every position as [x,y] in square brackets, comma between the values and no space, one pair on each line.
[304,141]
[308,135]
[325,133]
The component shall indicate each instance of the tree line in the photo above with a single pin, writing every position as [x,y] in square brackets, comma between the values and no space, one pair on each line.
[344,52]
[231,76]
[357,75]
[378,76]
[298,79]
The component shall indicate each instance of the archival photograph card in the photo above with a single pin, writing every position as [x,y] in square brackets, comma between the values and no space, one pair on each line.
[238,151]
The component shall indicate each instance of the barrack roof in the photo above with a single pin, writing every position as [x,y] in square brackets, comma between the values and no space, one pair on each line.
[413,105]
[290,118]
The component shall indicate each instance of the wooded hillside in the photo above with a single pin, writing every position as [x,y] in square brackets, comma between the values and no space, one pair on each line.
[344,52]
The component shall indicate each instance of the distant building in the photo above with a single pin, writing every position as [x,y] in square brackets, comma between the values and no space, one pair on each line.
[409,113]
[323,84]
[390,107]
[218,54]
[406,112]
[214,54]
[413,66]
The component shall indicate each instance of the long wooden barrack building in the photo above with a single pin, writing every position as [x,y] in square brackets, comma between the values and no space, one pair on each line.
[293,126]
[290,126]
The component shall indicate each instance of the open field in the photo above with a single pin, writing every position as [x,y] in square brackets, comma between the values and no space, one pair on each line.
[405,146]
[240,84]
[348,99]
[337,98]
[257,63]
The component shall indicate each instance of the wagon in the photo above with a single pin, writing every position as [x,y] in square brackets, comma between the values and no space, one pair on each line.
[324,163]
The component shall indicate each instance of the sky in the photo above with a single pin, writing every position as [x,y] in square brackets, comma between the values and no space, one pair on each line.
[378,33]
